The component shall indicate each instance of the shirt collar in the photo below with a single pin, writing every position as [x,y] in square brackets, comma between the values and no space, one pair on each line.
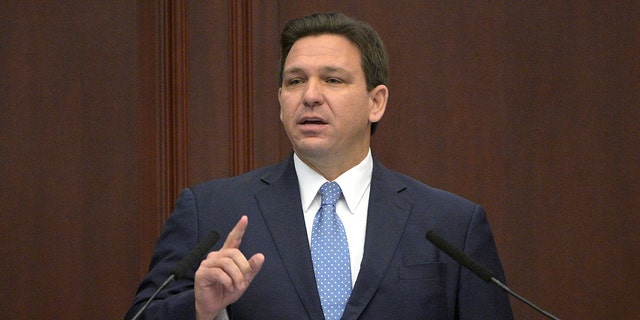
[354,182]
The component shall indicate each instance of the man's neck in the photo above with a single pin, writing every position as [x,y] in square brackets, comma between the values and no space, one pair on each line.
[332,167]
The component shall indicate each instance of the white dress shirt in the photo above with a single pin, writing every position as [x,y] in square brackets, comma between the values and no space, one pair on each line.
[351,207]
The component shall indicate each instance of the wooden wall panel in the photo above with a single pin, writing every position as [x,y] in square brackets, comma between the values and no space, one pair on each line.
[270,144]
[68,149]
[210,125]
[233,106]
[173,104]
[572,154]
[220,58]
[240,49]
[163,116]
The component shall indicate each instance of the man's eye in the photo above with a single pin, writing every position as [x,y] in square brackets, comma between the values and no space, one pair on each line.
[293,82]
[333,80]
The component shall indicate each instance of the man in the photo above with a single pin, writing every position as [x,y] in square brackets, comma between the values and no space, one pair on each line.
[333,92]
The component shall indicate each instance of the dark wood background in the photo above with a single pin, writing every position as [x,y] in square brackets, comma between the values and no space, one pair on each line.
[109,108]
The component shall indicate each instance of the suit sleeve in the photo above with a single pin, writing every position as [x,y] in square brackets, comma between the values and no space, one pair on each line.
[478,299]
[179,236]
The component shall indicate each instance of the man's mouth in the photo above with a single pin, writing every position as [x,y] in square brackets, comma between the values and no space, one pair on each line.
[312,121]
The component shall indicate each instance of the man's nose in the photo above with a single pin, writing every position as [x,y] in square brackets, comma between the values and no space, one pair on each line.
[313,94]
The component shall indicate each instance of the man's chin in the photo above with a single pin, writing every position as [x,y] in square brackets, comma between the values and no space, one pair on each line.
[311,149]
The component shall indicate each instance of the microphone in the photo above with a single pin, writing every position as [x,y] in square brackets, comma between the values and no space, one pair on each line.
[479,270]
[184,265]
[187,262]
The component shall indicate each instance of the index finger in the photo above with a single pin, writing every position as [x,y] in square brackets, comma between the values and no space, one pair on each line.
[235,236]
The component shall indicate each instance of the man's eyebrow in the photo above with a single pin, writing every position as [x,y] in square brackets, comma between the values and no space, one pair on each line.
[294,70]
[297,70]
[335,69]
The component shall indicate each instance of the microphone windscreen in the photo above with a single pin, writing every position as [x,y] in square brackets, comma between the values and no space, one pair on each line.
[462,258]
[187,262]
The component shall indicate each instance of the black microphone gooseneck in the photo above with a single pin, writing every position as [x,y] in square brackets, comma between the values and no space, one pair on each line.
[478,269]
[184,265]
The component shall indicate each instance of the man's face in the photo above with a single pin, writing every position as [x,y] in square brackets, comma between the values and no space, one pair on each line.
[325,107]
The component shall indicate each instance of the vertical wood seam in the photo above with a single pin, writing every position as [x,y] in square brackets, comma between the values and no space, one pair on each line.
[162,96]
[240,25]
[173,103]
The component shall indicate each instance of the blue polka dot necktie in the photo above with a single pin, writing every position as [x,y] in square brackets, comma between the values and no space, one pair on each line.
[330,254]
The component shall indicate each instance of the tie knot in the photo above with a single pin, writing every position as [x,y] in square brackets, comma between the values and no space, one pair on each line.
[330,192]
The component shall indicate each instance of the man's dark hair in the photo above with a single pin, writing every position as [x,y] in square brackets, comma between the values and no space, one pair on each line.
[374,59]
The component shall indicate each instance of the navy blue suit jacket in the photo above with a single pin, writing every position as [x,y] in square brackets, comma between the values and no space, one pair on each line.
[402,276]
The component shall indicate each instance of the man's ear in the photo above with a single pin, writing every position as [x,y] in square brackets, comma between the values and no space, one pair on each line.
[379,96]
[280,102]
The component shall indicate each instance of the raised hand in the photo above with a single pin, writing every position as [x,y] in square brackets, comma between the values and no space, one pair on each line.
[224,275]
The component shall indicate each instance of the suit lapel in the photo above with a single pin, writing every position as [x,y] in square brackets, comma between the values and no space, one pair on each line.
[280,205]
[387,216]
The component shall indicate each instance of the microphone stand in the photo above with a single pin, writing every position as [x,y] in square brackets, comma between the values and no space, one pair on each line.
[522,299]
